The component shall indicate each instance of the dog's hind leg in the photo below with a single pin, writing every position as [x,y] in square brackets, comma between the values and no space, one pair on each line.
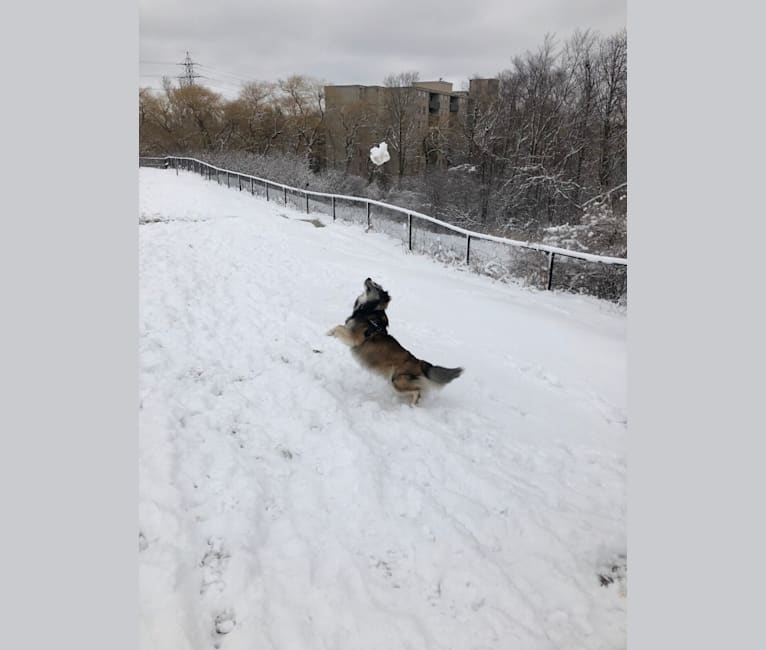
[406,385]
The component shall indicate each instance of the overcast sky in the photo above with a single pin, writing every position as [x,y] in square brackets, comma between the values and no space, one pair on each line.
[354,42]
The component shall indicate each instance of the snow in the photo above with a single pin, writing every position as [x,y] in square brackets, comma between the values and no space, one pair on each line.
[290,499]
[379,154]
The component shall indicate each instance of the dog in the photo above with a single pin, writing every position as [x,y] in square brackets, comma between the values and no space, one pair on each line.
[366,332]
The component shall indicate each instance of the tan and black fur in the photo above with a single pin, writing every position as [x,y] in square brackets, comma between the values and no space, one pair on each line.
[366,332]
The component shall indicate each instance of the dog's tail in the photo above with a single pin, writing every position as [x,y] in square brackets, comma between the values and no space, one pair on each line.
[440,375]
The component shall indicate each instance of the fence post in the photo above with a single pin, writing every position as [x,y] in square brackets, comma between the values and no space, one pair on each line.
[267,189]
[467,249]
[227,180]
[369,225]
[307,202]
[252,185]
[175,164]
[551,255]
[333,208]
[285,189]
[240,182]
[409,231]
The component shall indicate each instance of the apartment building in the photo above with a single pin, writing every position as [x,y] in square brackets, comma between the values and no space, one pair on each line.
[422,123]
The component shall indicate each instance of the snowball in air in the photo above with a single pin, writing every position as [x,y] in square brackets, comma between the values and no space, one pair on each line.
[380,154]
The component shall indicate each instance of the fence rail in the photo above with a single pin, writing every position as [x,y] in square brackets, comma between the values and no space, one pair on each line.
[329,203]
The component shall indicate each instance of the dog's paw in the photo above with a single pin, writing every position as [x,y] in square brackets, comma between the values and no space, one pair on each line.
[332,331]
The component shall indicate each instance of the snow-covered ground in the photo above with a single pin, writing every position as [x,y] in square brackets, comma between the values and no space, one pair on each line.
[290,500]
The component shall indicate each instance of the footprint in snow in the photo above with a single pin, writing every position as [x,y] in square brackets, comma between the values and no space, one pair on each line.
[610,413]
[615,573]
[225,622]
[537,372]
[213,564]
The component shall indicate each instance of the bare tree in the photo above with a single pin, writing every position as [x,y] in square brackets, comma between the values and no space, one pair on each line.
[253,106]
[155,128]
[345,124]
[579,67]
[197,114]
[401,117]
[303,102]
[612,67]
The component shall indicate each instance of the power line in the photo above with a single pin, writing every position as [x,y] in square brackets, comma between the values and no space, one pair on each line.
[221,82]
[228,74]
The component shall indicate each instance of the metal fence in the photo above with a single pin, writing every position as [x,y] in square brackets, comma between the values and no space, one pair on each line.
[538,265]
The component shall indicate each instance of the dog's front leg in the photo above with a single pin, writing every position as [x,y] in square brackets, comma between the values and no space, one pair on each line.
[343,333]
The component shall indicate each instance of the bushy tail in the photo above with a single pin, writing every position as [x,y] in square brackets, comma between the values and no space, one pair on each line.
[440,375]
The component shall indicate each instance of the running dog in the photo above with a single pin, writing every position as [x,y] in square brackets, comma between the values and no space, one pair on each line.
[366,332]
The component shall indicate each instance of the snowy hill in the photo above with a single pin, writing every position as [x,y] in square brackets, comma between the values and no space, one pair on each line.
[290,500]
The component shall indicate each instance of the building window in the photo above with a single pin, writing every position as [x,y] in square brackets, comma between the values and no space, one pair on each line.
[453,104]
[433,103]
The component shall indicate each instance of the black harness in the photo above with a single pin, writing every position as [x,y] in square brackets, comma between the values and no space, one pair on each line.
[377,322]
[376,319]
[371,312]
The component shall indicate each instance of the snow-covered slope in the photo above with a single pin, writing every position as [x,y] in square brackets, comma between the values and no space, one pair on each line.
[290,500]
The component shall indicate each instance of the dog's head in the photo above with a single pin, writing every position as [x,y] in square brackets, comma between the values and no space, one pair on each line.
[374,297]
